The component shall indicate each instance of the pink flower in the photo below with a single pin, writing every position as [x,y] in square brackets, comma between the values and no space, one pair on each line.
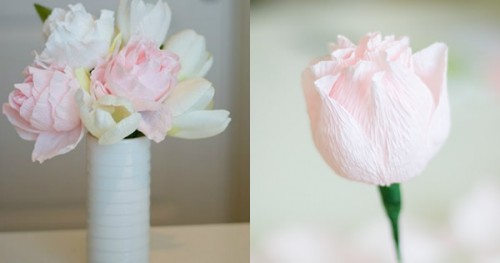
[144,75]
[378,112]
[43,109]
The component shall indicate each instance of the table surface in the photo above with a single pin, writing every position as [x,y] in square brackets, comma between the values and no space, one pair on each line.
[185,244]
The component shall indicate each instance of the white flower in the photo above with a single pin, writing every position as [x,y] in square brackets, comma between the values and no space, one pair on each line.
[193,55]
[110,118]
[75,38]
[145,19]
[190,103]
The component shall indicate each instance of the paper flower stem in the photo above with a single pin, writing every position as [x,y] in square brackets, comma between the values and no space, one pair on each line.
[391,197]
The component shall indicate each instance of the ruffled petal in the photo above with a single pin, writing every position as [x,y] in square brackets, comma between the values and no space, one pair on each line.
[155,124]
[50,144]
[23,128]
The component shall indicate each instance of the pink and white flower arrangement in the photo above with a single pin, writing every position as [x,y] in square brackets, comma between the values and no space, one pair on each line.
[115,78]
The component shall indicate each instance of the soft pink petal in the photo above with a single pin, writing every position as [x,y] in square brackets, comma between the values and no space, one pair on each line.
[352,91]
[22,126]
[340,139]
[50,144]
[41,117]
[139,72]
[313,99]
[430,64]
[398,128]
[155,124]
[323,67]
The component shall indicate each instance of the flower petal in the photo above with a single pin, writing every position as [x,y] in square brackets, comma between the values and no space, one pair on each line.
[157,22]
[123,19]
[110,118]
[150,20]
[397,125]
[189,95]
[200,124]
[121,130]
[191,49]
[339,137]
[50,144]
[430,64]
[23,128]
[155,124]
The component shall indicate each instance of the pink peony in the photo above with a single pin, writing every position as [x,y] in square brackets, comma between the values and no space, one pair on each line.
[43,109]
[144,75]
[378,112]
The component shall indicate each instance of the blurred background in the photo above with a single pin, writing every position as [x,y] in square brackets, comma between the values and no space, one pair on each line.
[193,181]
[301,211]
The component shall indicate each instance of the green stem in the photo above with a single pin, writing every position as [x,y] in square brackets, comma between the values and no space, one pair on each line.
[391,197]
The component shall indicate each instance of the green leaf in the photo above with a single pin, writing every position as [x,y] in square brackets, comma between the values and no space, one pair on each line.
[391,197]
[43,11]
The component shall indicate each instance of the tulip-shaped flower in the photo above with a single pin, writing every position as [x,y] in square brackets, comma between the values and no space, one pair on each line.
[190,104]
[193,55]
[378,112]
[150,20]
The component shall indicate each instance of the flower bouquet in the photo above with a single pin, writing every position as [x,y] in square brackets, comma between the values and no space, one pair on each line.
[118,79]
[378,112]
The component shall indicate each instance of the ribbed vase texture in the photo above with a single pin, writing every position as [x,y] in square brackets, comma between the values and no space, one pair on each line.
[118,201]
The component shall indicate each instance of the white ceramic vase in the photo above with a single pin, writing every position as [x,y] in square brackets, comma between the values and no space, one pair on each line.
[118,201]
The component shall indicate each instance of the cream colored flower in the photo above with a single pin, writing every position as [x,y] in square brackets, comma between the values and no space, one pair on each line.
[136,17]
[190,103]
[108,118]
[193,55]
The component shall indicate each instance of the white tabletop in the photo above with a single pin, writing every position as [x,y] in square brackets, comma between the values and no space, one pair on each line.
[184,244]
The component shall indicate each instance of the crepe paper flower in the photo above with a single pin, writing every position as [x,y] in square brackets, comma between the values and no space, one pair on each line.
[144,75]
[75,38]
[136,17]
[43,109]
[109,118]
[190,104]
[193,55]
[378,112]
